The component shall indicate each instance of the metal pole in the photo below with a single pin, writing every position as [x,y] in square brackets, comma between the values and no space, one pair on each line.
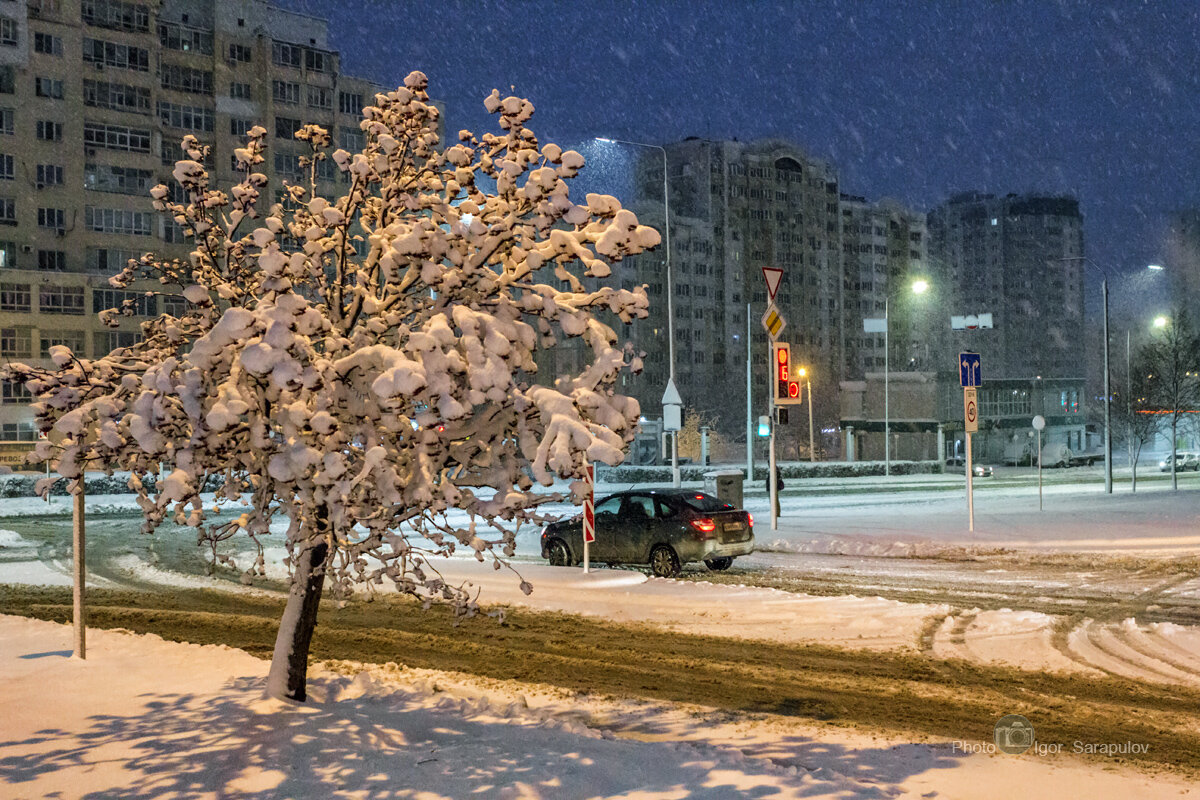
[670,311]
[749,405]
[970,487]
[1107,398]
[887,428]
[773,488]
[77,539]
[812,454]
[1129,416]
[1039,470]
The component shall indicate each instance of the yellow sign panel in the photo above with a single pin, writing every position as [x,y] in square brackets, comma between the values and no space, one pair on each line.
[773,322]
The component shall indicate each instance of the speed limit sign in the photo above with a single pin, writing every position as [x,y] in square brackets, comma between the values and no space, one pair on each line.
[970,410]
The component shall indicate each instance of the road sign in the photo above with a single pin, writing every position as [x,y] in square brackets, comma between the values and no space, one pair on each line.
[774,276]
[971,322]
[589,506]
[970,410]
[970,371]
[773,322]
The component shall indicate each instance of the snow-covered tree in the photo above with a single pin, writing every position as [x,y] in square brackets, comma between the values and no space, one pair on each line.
[362,365]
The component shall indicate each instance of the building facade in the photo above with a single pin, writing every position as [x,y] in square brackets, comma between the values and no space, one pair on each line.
[95,96]
[735,208]
[1019,258]
[884,249]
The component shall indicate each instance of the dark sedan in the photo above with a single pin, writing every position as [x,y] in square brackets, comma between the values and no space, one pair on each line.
[665,528]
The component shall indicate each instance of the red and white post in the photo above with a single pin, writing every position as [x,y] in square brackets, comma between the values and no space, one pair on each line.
[589,514]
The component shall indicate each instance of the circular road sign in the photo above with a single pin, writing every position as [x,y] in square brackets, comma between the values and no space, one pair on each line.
[971,411]
[1039,422]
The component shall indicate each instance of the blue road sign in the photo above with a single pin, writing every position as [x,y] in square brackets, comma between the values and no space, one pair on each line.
[970,372]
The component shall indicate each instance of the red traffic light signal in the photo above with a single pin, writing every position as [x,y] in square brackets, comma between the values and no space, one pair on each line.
[786,391]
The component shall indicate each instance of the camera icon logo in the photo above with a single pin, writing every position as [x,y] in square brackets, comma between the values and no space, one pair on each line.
[1013,734]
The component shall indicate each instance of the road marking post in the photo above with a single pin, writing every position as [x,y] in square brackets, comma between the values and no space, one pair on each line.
[589,513]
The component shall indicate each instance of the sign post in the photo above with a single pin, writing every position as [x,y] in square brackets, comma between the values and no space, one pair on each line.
[774,323]
[589,514]
[970,373]
[1039,422]
[80,572]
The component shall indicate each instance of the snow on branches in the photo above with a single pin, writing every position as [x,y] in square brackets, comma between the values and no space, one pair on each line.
[364,364]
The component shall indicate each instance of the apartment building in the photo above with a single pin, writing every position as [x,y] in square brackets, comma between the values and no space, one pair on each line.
[1019,258]
[736,207]
[885,249]
[95,96]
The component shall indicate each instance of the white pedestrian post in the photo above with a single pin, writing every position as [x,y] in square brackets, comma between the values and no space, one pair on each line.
[80,573]
[1039,422]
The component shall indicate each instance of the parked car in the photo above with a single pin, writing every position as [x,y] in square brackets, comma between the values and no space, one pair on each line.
[1182,462]
[956,464]
[665,528]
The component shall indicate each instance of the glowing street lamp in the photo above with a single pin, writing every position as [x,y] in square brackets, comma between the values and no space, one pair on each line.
[918,286]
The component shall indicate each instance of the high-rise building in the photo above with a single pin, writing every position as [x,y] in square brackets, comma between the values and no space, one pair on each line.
[884,250]
[95,96]
[1020,259]
[735,208]
[1183,257]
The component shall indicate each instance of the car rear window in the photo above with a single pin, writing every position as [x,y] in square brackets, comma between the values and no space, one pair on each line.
[705,502]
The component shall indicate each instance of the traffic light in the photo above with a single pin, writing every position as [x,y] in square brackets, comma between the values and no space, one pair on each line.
[764,426]
[786,391]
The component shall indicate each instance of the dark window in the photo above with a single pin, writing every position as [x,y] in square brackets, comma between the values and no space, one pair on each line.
[52,260]
[240,52]
[48,87]
[187,40]
[49,131]
[61,300]
[116,15]
[286,128]
[49,175]
[47,44]
[350,102]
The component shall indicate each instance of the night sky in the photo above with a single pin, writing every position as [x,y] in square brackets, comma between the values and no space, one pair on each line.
[913,100]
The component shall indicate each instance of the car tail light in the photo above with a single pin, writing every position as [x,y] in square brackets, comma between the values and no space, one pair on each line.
[750,519]
[705,526]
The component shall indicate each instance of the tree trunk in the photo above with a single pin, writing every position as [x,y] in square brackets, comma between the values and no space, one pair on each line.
[289,664]
[1174,454]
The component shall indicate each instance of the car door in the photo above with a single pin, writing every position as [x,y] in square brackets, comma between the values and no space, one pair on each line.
[608,526]
[638,520]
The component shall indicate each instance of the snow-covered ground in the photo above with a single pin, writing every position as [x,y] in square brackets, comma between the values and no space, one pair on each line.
[147,718]
[143,718]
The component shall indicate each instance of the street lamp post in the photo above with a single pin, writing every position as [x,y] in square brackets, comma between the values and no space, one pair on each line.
[1107,390]
[917,287]
[812,454]
[670,293]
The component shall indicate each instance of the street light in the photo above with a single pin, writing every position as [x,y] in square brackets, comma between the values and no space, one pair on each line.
[670,294]
[919,286]
[812,454]
[1107,390]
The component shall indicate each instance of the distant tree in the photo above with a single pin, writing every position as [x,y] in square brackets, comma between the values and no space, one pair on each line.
[366,365]
[1134,422]
[690,437]
[1172,360]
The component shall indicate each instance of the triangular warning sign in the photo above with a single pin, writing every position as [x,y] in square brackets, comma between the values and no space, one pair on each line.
[773,275]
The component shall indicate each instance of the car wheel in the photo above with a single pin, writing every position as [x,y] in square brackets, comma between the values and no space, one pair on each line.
[719,564]
[663,562]
[559,556]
